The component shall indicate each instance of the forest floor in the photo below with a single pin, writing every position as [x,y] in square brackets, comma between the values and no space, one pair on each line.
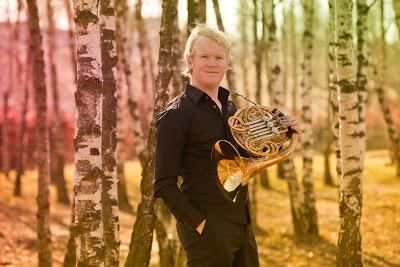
[380,227]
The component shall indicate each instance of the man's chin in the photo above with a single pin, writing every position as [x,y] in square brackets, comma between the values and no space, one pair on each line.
[213,83]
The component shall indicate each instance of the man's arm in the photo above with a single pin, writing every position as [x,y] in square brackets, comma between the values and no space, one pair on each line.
[169,149]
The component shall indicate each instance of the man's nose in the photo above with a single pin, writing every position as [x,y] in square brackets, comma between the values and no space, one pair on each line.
[212,62]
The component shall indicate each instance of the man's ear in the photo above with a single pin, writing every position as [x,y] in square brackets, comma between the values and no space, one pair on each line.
[189,62]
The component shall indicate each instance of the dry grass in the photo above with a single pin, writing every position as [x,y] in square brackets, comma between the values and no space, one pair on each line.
[278,247]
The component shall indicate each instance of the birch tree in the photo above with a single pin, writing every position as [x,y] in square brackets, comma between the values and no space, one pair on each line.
[71,35]
[21,134]
[142,234]
[88,137]
[230,74]
[22,85]
[4,132]
[276,96]
[57,158]
[349,252]
[124,85]
[333,91]
[382,97]
[178,80]
[42,140]
[306,119]
[6,96]
[293,51]
[328,136]
[258,45]
[146,61]
[396,6]
[274,69]
[243,29]
[109,192]
[196,13]
[362,69]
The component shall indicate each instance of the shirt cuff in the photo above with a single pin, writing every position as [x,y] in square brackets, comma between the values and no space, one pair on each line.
[193,217]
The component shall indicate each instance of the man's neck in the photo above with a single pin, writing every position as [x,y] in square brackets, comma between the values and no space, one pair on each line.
[211,91]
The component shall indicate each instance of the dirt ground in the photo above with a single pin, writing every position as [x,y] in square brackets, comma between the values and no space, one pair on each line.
[277,245]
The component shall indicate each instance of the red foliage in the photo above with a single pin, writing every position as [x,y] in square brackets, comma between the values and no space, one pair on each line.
[67,126]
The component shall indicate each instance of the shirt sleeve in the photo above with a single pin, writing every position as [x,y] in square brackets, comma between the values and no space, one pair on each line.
[169,150]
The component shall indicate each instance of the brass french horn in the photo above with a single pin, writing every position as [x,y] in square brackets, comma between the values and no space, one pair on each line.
[265,134]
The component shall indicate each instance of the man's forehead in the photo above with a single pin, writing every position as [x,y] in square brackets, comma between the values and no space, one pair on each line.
[203,44]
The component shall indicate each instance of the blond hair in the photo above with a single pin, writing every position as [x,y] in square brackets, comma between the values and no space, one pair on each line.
[205,32]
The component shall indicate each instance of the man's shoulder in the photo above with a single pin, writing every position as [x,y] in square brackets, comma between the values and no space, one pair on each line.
[179,107]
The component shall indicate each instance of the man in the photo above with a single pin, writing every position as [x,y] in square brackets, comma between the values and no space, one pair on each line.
[212,231]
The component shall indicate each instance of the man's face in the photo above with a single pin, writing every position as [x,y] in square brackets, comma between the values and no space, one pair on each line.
[208,64]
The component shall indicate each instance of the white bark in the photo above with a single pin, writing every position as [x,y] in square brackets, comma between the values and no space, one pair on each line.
[349,251]
[88,136]
[307,134]
[109,119]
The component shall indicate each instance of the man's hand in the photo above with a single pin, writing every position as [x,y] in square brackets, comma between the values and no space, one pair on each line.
[291,122]
[200,227]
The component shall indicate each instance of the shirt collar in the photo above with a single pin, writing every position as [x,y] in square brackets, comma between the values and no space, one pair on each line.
[195,94]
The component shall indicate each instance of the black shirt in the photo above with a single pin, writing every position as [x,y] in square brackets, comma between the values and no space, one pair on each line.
[186,132]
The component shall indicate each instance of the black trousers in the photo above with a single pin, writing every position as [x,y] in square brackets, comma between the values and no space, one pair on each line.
[223,243]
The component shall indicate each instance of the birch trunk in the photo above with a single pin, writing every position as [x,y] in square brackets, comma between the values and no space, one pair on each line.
[396,6]
[22,83]
[257,50]
[276,94]
[349,252]
[202,4]
[257,62]
[333,90]
[6,96]
[285,61]
[141,120]
[293,49]
[142,235]
[274,70]
[88,137]
[381,92]
[230,74]
[194,17]
[42,141]
[178,80]
[57,158]
[167,237]
[70,255]
[243,28]
[296,202]
[4,132]
[148,79]
[362,70]
[123,84]
[109,192]
[328,179]
[264,178]
[71,36]
[307,134]
[21,134]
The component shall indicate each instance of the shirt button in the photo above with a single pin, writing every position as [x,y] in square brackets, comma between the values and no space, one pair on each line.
[214,106]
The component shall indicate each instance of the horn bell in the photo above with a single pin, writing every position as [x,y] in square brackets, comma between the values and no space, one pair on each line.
[233,172]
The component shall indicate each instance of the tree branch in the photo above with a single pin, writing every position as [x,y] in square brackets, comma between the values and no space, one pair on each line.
[373,3]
